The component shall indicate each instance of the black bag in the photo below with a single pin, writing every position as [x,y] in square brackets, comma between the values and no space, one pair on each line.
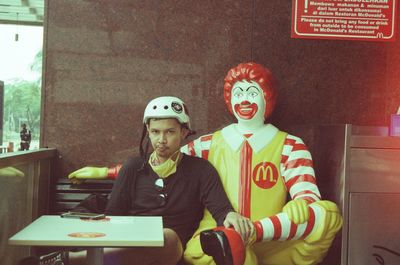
[94,203]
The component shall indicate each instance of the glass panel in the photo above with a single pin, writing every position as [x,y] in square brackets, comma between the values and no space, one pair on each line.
[15,208]
[24,188]
[21,73]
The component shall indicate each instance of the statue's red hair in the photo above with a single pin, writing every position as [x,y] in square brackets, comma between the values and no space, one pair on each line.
[252,72]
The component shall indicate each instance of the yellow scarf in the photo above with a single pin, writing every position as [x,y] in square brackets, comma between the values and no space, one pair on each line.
[168,167]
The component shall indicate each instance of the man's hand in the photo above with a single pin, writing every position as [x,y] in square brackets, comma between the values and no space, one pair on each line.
[297,211]
[82,174]
[244,226]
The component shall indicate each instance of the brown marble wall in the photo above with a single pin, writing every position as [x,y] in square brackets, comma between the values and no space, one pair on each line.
[106,59]
[321,81]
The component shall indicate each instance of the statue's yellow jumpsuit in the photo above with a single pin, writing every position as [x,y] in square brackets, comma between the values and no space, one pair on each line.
[257,172]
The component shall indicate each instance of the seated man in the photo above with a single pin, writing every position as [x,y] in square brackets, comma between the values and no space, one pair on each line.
[260,167]
[170,184]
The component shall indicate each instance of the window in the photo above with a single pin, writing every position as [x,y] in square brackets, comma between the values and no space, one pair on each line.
[21,75]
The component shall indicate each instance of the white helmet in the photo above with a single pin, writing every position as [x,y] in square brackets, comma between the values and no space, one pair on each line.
[167,107]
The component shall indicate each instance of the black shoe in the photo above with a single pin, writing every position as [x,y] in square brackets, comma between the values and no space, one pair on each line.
[55,258]
[216,245]
[29,261]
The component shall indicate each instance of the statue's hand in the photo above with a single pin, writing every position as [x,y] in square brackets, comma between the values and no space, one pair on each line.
[330,223]
[11,172]
[80,175]
[297,211]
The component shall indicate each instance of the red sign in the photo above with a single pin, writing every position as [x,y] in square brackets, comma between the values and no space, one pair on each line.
[265,175]
[368,20]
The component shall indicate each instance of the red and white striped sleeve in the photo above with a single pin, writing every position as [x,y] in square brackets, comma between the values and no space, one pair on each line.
[280,228]
[297,170]
[199,147]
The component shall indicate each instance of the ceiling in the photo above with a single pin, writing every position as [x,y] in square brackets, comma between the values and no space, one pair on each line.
[26,12]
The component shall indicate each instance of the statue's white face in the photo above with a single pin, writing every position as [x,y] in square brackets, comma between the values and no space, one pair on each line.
[248,103]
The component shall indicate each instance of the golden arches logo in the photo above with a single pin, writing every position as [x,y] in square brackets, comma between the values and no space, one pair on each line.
[265,175]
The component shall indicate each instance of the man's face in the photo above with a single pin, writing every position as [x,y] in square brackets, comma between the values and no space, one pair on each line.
[248,101]
[166,136]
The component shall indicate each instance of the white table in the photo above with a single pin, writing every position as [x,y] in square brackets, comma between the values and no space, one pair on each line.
[114,231]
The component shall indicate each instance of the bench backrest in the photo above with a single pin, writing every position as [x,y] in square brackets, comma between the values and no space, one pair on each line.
[65,196]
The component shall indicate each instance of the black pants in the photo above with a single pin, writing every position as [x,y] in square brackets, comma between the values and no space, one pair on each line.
[24,146]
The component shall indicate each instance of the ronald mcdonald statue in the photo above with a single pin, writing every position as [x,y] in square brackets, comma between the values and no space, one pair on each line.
[259,166]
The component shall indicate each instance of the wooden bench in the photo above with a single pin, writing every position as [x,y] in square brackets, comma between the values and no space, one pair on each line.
[64,196]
